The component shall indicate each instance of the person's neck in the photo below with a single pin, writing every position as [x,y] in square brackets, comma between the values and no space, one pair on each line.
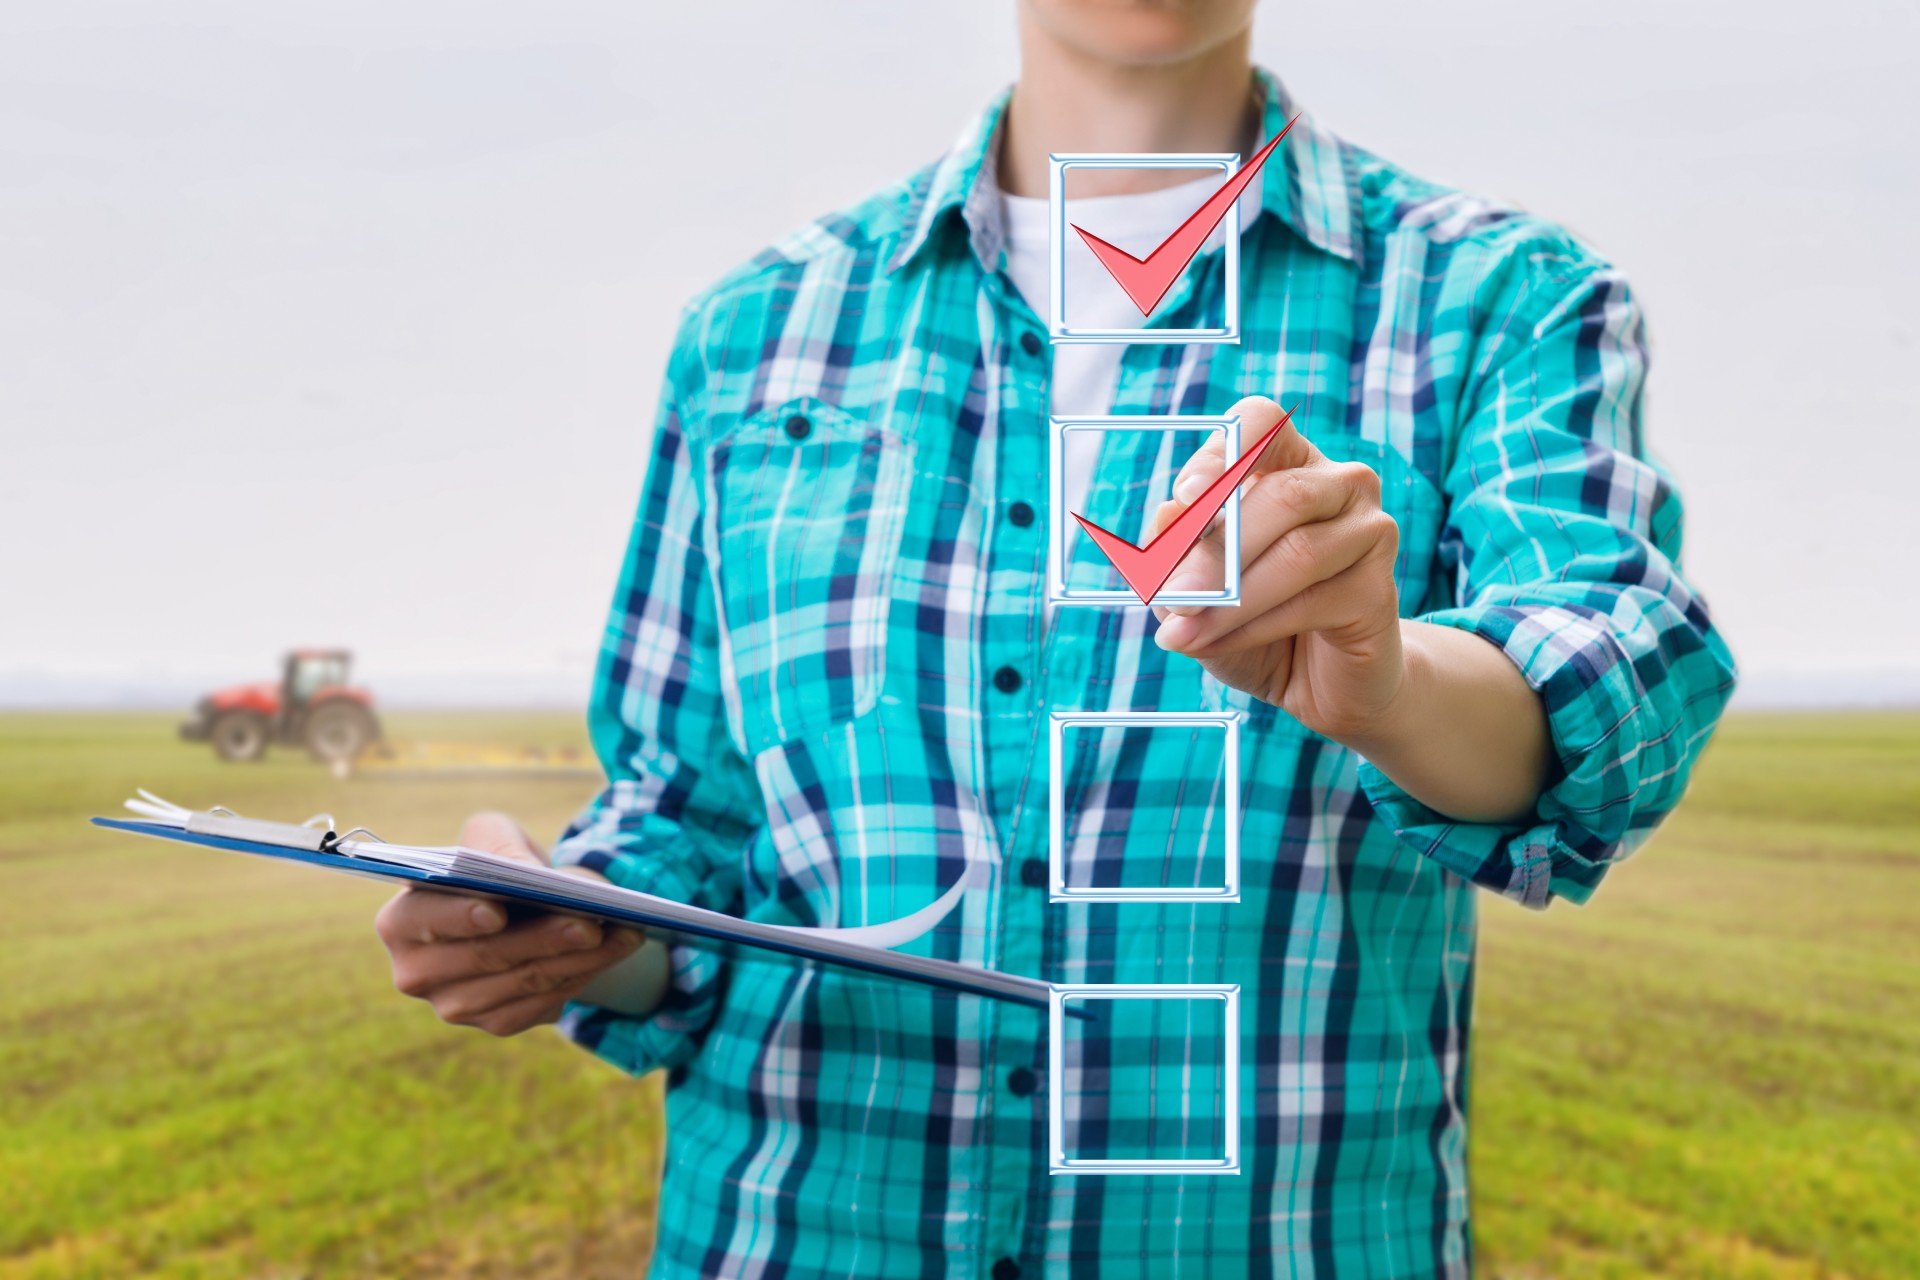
[1067,102]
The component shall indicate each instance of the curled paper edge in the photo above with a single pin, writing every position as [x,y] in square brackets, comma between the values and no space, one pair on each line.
[893,933]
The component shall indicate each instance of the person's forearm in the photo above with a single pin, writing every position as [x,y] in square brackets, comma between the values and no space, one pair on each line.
[1465,734]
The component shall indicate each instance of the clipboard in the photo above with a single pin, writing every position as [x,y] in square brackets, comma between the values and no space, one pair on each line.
[469,871]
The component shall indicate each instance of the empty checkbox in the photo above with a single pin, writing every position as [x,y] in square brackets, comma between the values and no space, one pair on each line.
[1149,1084]
[1144,806]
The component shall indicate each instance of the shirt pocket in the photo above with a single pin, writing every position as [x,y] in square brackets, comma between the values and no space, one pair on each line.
[808,504]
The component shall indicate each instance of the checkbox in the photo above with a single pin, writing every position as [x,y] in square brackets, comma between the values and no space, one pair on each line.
[1065,241]
[1128,479]
[1149,1084]
[1143,806]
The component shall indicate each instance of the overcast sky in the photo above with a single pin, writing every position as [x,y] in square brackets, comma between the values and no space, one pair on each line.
[342,322]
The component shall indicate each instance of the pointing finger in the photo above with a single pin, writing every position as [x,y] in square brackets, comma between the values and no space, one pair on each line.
[1163,515]
[1289,448]
[1201,470]
[1257,415]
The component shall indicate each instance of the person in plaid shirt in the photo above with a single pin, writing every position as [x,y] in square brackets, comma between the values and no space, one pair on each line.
[1464,657]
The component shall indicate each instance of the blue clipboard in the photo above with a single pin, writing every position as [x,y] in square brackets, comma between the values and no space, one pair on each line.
[926,971]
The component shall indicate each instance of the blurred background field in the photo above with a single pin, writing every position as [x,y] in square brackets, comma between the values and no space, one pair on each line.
[1713,1070]
[204,1069]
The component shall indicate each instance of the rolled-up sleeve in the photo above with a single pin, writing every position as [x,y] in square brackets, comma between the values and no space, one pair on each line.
[1562,540]
[679,805]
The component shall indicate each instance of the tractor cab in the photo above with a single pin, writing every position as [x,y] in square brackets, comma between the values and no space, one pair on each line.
[313,705]
[311,672]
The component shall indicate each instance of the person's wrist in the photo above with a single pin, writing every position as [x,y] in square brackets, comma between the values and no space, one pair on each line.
[1386,733]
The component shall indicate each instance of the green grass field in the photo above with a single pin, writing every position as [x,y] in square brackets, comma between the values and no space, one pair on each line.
[1713,1070]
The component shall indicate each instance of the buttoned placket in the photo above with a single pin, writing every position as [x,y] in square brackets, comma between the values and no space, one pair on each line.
[1016,671]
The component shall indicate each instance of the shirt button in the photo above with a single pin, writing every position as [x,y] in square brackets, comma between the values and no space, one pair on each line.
[1006,1269]
[1021,514]
[1021,1082]
[1007,680]
[1033,872]
[1030,343]
[798,427]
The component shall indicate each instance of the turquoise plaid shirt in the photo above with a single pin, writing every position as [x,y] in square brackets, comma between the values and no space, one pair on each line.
[825,687]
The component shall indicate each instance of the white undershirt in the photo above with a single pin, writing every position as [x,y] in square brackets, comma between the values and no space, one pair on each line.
[1085,375]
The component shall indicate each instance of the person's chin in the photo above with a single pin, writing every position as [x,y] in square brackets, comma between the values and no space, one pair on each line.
[1142,33]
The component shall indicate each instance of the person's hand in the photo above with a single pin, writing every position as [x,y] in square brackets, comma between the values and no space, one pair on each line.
[1317,629]
[461,953]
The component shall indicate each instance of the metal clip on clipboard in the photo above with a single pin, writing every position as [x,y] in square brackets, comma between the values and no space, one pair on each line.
[316,834]
[305,835]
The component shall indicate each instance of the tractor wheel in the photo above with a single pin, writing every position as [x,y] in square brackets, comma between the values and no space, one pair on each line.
[239,735]
[339,731]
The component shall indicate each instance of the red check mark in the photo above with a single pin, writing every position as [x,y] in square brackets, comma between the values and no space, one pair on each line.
[1147,279]
[1147,568]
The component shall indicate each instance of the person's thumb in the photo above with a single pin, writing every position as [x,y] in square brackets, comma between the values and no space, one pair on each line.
[501,836]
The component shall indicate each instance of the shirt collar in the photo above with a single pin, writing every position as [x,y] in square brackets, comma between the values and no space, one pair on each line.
[1305,183]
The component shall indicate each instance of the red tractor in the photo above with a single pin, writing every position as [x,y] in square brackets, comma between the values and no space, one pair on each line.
[312,705]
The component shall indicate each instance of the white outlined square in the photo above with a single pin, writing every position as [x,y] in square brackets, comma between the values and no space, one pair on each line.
[1227,162]
[1228,722]
[1058,592]
[1228,993]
